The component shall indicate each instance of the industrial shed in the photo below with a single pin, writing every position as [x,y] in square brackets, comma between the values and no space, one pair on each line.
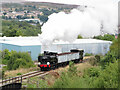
[33,49]
[88,45]
[33,46]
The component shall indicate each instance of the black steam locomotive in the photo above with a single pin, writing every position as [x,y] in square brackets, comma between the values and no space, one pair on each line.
[52,60]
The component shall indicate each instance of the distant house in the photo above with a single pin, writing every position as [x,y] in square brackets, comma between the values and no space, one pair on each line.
[35,20]
[116,36]
[0,33]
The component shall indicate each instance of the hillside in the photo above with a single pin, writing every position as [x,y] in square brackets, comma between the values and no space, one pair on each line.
[46,4]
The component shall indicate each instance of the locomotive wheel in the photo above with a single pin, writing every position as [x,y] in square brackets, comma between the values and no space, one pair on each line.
[81,61]
[78,61]
[42,69]
[48,69]
[54,67]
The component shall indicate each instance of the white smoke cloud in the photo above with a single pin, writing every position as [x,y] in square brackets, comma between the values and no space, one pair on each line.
[67,27]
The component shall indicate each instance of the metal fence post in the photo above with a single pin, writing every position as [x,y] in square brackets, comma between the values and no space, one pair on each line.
[12,79]
[2,81]
[37,84]
[21,78]
[28,80]
[9,79]
[18,79]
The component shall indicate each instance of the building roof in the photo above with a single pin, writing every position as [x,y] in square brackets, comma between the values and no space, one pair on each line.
[20,41]
[29,41]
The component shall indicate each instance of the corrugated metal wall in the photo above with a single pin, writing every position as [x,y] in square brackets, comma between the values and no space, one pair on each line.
[34,51]
[94,48]
[11,47]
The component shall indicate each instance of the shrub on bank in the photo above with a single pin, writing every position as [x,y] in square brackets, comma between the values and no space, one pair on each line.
[15,60]
[19,60]
[88,54]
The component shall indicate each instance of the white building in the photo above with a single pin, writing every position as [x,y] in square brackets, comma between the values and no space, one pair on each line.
[33,46]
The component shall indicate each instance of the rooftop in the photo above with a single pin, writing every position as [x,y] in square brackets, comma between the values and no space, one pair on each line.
[29,41]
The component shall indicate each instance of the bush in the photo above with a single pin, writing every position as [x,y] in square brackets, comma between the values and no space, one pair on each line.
[19,74]
[92,72]
[108,78]
[66,81]
[93,61]
[4,68]
[19,60]
[97,58]
[70,79]
[5,56]
[72,69]
[88,54]
[95,77]
[107,37]
[80,37]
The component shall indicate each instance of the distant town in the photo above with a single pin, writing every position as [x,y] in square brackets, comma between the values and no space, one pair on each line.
[32,10]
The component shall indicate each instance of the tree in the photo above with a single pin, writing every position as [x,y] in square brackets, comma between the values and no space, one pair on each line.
[5,56]
[108,77]
[111,55]
[4,13]
[107,37]
[19,33]
[19,60]
[32,17]
[79,37]
[43,18]
[19,16]
[10,17]
[13,28]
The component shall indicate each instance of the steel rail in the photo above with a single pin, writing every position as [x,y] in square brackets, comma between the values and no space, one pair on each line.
[22,77]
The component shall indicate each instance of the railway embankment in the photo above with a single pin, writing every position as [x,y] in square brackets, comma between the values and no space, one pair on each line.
[35,78]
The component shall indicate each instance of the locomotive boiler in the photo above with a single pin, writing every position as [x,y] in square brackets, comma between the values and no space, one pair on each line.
[52,60]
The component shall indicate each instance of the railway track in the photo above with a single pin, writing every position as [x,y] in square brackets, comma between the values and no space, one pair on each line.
[28,75]
[18,79]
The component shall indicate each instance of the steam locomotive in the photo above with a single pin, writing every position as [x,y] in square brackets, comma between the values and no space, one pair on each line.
[53,60]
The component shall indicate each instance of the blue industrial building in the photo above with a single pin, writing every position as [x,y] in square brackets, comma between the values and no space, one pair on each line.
[34,50]
[22,44]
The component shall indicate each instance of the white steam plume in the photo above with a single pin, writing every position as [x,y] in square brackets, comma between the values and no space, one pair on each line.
[86,22]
